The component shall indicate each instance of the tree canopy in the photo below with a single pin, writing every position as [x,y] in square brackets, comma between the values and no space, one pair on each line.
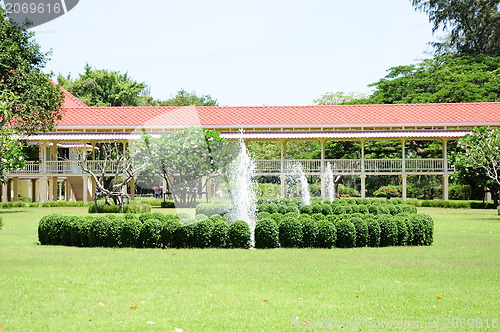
[33,100]
[184,98]
[441,79]
[478,159]
[185,158]
[473,25]
[101,87]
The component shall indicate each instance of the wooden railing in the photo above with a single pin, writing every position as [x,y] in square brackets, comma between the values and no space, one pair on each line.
[339,166]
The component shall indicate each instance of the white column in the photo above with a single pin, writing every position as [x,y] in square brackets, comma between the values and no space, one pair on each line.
[403,156]
[404,189]
[5,193]
[15,189]
[282,175]
[85,188]
[322,175]
[445,186]
[363,186]
[43,189]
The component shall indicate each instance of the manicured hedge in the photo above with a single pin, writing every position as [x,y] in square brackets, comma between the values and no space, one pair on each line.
[127,208]
[210,209]
[397,226]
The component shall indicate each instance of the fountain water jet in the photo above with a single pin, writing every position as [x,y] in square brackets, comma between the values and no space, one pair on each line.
[298,173]
[242,190]
[329,182]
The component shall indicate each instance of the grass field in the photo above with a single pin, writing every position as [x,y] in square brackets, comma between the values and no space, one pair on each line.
[45,288]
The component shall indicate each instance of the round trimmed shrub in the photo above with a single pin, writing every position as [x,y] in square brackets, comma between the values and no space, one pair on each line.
[290,233]
[131,231]
[388,230]
[263,215]
[327,234]
[168,231]
[332,218]
[81,230]
[67,226]
[49,229]
[361,231]
[363,209]
[373,208]
[326,209]
[114,236]
[152,215]
[266,234]
[98,234]
[401,223]
[318,216]
[202,233]
[373,232]
[278,217]
[346,234]
[317,208]
[292,209]
[220,237]
[309,231]
[151,233]
[293,215]
[239,234]
[272,208]
[306,209]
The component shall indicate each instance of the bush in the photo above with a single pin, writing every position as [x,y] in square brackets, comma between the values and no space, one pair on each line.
[318,216]
[309,231]
[317,208]
[266,234]
[66,230]
[167,234]
[326,209]
[361,232]
[346,234]
[461,192]
[388,230]
[130,233]
[151,233]
[220,234]
[49,229]
[482,205]
[263,215]
[80,231]
[98,235]
[403,233]
[167,204]
[392,191]
[183,236]
[202,233]
[306,209]
[373,232]
[239,234]
[152,215]
[209,209]
[327,234]
[127,208]
[290,233]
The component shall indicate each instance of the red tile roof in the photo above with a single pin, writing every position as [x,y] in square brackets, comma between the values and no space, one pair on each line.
[338,116]
[70,100]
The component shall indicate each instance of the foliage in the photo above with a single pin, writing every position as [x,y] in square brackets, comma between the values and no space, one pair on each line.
[127,208]
[460,192]
[480,156]
[239,234]
[441,79]
[27,96]
[103,88]
[202,233]
[131,231]
[309,231]
[150,236]
[220,234]
[290,233]
[338,98]
[184,158]
[472,24]
[210,209]
[392,191]
[326,234]
[346,234]
[388,230]
[374,232]
[266,234]
[184,98]
[11,152]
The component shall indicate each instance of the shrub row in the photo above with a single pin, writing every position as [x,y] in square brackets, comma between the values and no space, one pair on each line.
[339,209]
[452,204]
[147,230]
[127,208]
[342,231]
[210,209]
[6,205]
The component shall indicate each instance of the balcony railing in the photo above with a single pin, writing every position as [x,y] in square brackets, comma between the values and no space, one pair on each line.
[339,166]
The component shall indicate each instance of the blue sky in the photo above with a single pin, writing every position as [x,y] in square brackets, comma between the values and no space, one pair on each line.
[240,52]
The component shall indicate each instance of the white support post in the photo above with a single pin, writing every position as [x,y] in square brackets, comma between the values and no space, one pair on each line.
[403,156]
[283,166]
[323,167]
[5,191]
[85,188]
[363,186]
[404,189]
[446,178]
[15,189]
[43,189]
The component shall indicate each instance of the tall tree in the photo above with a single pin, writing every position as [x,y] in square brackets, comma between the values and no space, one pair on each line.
[33,100]
[474,25]
[186,159]
[101,87]
[479,157]
[441,79]
[184,98]
[339,98]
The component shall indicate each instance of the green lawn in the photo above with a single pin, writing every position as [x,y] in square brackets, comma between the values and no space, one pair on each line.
[45,288]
